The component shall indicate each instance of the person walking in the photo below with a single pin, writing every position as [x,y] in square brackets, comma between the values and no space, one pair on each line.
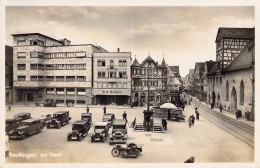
[105,110]
[164,124]
[220,108]
[248,113]
[237,114]
[190,121]
[124,116]
[193,119]
[87,109]
[183,106]
[197,115]
[9,107]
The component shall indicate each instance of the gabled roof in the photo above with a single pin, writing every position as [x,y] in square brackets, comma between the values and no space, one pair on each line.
[209,65]
[174,69]
[201,65]
[243,60]
[213,70]
[9,55]
[235,32]
[135,63]
[147,59]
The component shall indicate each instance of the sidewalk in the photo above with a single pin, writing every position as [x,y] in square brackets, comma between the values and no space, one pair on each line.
[224,112]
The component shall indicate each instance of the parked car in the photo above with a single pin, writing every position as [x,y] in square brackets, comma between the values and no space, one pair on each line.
[80,129]
[6,145]
[119,132]
[59,119]
[100,132]
[11,124]
[49,104]
[22,116]
[87,117]
[45,118]
[27,127]
[127,150]
[108,117]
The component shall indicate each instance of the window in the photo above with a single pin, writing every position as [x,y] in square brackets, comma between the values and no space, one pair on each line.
[81,78]
[81,66]
[70,78]
[81,91]
[34,78]
[70,91]
[119,85]
[99,85]
[104,85]
[122,75]
[49,78]
[50,67]
[21,66]
[33,55]
[59,101]
[49,90]
[60,91]
[114,85]
[124,85]
[220,80]
[41,78]
[112,74]
[60,55]
[59,78]
[122,63]
[242,93]
[101,75]
[21,78]
[60,66]
[109,85]
[21,43]
[101,63]
[80,54]
[81,101]
[33,66]
[21,55]
[40,66]
[71,55]
[71,66]
[36,42]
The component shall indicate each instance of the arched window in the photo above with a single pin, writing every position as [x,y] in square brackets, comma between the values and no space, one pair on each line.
[242,92]
[227,91]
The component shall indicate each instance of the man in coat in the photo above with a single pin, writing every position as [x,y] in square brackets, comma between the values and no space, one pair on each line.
[105,110]
[197,115]
[87,109]
[124,116]
[164,124]
[190,121]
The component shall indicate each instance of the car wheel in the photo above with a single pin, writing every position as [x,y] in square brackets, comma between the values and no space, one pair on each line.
[23,136]
[115,152]
[59,125]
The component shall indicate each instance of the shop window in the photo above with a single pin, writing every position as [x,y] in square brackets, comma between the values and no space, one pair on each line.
[59,101]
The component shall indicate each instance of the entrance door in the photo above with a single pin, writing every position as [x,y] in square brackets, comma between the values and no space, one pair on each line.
[233,100]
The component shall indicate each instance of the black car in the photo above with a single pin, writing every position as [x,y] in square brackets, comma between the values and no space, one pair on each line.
[108,117]
[80,129]
[11,124]
[59,119]
[22,116]
[119,132]
[49,104]
[87,117]
[27,127]
[100,132]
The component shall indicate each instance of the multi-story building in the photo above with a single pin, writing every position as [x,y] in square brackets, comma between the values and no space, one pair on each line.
[112,78]
[174,84]
[198,87]
[8,74]
[208,66]
[148,73]
[50,69]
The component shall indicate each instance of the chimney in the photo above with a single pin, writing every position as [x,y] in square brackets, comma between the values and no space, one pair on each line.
[118,49]
[65,41]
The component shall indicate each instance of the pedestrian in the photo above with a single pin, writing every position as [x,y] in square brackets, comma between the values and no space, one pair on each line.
[164,124]
[237,114]
[193,119]
[183,106]
[248,113]
[190,121]
[124,116]
[190,160]
[87,109]
[220,108]
[240,114]
[105,110]
[197,115]
[212,105]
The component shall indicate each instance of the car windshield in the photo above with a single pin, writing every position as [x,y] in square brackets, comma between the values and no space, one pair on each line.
[76,127]
[57,115]
[118,126]
[100,127]
[85,116]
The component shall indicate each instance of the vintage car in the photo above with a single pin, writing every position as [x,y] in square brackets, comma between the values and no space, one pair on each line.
[27,127]
[45,118]
[80,129]
[49,104]
[87,117]
[119,132]
[11,124]
[59,119]
[22,116]
[108,117]
[100,132]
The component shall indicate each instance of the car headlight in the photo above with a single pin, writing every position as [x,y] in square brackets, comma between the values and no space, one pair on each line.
[113,134]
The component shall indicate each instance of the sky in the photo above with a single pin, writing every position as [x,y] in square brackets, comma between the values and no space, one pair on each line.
[182,35]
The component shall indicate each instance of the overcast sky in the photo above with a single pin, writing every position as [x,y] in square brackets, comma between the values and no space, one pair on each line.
[184,35]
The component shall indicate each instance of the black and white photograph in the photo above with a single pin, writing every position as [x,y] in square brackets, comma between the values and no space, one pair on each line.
[130,85]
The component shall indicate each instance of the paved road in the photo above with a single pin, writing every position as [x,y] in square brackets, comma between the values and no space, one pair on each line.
[206,141]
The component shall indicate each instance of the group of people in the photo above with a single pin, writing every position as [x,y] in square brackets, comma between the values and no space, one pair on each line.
[191,119]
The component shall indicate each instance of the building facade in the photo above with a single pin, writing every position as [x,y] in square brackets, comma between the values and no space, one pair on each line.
[148,74]
[46,69]
[8,74]
[112,78]
[174,84]
[198,86]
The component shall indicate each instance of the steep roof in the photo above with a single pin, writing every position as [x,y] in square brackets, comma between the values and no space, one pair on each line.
[9,55]
[147,59]
[163,64]
[135,63]
[213,70]
[209,65]
[243,60]
[200,65]
[174,69]
[235,32]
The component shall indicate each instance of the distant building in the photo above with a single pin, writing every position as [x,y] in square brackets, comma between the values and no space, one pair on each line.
[208,66]
[198,86]
[47,69]
[190,81]
[112,78]
[8,74]
[174,84]
[149,73]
